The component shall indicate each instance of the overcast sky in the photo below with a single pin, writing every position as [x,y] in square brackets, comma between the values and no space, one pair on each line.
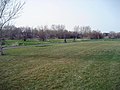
[103,15]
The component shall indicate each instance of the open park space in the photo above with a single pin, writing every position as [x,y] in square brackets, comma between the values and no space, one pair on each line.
[83,65]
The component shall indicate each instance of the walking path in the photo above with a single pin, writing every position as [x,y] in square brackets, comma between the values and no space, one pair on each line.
[12,47]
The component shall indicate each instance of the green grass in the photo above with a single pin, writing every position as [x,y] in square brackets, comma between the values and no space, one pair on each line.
[34,42]
[23,43]
[90,65]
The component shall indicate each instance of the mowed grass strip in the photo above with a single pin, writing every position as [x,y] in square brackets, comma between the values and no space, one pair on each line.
[93,65]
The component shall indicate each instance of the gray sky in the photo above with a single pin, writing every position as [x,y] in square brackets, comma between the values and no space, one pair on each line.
[103,15]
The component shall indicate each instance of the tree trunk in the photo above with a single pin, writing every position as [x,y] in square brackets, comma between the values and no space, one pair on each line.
[1,48]
[65,41]
[24,39]
[74,39]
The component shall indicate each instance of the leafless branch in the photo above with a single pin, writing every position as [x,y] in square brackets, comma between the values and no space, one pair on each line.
[9,9]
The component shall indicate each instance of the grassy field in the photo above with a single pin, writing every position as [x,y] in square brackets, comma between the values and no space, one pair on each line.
[34,42]
[92,65]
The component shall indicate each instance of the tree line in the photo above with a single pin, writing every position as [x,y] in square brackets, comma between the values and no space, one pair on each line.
[55,31]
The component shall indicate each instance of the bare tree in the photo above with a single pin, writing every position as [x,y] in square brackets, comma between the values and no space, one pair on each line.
[95,34]
[9,10]
[62,30]
[42,34]
[112,35]
[75,33]
[85,31]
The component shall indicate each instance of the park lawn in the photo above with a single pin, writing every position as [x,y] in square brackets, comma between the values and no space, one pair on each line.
[29,42]
[92,65]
